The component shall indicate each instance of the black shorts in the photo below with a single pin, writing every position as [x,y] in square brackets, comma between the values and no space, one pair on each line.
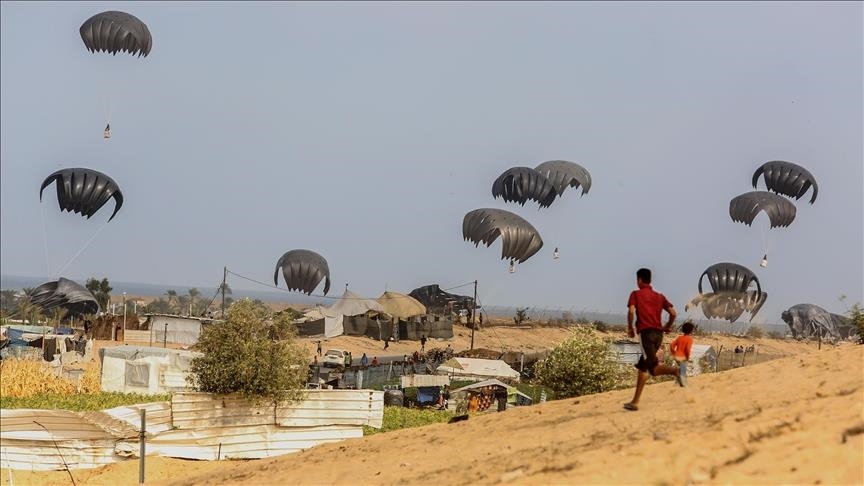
[652,341]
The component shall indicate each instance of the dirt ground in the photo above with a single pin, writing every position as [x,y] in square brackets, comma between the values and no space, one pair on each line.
[793,420]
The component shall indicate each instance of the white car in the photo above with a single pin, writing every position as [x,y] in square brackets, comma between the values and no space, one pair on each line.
[334,358]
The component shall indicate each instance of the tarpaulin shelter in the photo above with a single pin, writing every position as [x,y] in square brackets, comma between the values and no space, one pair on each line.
[479,369]
[140,369]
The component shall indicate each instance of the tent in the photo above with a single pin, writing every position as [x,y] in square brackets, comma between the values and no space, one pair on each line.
[140,369]
[350,304]
[401,306]
[479,369]
[699,354]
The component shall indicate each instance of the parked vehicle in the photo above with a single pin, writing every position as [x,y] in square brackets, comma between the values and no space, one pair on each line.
[334,358]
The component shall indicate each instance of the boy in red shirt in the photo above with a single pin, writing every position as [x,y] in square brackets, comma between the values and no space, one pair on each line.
[680,349]
[646,306]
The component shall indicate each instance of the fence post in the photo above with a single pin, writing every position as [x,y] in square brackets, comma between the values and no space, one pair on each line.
[142,444]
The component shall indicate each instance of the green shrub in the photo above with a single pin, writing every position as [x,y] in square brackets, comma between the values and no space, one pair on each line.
[251,353]
[584,363]
[856,313]
[776,335]
[396,418]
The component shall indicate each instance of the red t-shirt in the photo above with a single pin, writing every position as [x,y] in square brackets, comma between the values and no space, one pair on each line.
[649,305]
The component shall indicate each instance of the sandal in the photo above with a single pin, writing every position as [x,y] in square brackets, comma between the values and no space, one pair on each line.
[630,406]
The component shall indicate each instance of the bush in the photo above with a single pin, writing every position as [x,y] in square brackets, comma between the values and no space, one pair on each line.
[776,335]
[80,402]
[252,353]
[856,313]
[396,418]
[601,326]
[755,332]
[584,363]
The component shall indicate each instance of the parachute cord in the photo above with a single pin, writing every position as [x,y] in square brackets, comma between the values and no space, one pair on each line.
[83,247]
[45,240]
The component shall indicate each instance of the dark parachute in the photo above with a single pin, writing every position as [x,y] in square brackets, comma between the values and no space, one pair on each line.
[744,208]
[787,178]
[303,270]
[519,184]
[729,277]
[519,239]
[115,32]
[731,296]
[64,293]
[562,174]
[84,191]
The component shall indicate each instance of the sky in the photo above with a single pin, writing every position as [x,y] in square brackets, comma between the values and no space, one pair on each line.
[366,131]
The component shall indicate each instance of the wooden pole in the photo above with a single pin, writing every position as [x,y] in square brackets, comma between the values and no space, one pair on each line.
[474,315]
[142,444]
[224,279]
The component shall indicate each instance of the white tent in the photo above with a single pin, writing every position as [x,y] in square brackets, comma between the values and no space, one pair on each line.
[350,304]
[481,369]
[698,354]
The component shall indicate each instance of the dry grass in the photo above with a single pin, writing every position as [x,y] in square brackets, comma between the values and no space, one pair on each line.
[27,378]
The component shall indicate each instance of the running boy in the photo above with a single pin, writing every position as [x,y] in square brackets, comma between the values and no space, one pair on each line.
[680,349]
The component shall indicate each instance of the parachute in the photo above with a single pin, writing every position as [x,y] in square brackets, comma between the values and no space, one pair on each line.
[303,270]
[731,296]
[519,239]
[64,293]
[744,208]
[114,32]
[84,191]
[562,174]
[519,184]
[787,178]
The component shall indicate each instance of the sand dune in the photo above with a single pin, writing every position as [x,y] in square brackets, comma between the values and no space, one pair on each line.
[795,420]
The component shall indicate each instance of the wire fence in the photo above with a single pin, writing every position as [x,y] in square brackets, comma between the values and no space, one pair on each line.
[564,315]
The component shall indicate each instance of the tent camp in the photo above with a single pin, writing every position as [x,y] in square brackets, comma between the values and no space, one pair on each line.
[138,369]
[350,304]
[477,369]
[514,396]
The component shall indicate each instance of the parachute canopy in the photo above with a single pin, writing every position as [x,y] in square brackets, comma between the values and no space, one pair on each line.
[744,208]
[731,296]
[519,239]
[84,191]
[519,184]
[303,270]
[562,174]
[787,178]
[64,293]
[114,32]
[729,277]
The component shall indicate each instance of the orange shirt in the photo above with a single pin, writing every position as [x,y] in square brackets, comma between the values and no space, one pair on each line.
[681,346]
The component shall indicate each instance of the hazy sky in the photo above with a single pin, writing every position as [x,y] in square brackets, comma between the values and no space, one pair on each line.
[366,131]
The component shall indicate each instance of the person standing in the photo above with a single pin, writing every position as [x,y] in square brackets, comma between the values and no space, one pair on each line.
[319,347]
[647,306]
[423,343]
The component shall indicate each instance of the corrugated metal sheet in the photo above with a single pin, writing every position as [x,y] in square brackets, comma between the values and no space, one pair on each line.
[136,336]
[158,416]
[411,381]
[249,442]
[330,407]
[192,425]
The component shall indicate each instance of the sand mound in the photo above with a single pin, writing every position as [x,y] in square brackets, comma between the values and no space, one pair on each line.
[794,420]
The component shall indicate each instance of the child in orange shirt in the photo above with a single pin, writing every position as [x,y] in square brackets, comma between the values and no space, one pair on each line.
[680,349]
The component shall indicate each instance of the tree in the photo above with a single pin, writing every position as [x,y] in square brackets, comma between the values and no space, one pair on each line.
[158,306]
[584,363]
[101,290]
[172,296]
[856,313]
[8,302]
[262,362]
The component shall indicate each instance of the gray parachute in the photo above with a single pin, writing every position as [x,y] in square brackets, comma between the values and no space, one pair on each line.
[744,208]
[562,174]
[787,178]
[84,191]
[520,240]
[66,294]
[519,184]
[303,270]
[731,294]
[114,32]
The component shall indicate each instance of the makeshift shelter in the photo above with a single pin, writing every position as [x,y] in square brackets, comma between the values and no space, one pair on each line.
[702,354]
[174,329]
[139,369]
[477,369]
[489,387]
[401,306]
[350,304]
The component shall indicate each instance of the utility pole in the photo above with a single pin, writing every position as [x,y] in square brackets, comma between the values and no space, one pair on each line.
[474,315]
[124,316]
[224,278]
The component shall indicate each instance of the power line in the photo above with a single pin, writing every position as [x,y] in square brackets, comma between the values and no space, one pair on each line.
[322,296]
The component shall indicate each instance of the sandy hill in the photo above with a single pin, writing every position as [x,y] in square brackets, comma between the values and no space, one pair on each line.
[795,420]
